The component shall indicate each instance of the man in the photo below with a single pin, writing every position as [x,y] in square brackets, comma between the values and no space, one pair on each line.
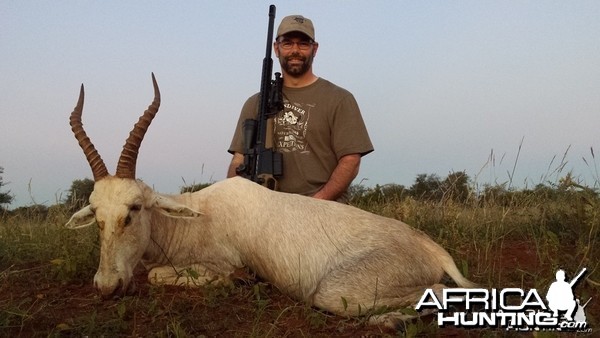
[320,131]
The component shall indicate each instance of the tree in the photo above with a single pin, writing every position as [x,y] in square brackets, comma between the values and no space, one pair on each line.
[387,193]
[79,193]
[427,187]
[5,197]
[456,187]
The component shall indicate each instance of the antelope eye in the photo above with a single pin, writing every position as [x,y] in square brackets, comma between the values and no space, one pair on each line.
[132,209]
[127,220]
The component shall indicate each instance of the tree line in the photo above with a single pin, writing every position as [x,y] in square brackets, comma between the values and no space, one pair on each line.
[456,187]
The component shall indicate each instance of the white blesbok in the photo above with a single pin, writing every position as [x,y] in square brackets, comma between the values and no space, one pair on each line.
[331,255]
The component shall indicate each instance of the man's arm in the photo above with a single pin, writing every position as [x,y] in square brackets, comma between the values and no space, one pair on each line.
[339,181]
[236,160]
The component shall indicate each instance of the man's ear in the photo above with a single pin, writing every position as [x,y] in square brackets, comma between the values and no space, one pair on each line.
[171,208]
[82,218]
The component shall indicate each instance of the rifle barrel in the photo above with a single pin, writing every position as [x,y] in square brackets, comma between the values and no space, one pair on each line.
[574,280]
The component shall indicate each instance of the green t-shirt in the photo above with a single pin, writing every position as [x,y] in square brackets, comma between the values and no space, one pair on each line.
[318,125]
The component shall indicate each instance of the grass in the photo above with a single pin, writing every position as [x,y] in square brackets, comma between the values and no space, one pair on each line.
[508,238]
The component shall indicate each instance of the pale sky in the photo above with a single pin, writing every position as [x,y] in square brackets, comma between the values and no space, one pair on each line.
[443,86]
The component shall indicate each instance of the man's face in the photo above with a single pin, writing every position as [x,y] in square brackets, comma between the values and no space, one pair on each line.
[296,52]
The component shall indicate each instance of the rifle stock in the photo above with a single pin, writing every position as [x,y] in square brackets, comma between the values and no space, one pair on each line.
[262,163]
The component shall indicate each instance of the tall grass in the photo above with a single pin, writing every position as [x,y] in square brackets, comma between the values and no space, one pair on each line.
[36,239]
[561,229]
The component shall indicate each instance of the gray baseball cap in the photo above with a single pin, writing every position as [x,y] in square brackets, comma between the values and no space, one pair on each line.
[296,23]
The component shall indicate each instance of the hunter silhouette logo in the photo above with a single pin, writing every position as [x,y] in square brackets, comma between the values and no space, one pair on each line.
[560,296]
[510,308]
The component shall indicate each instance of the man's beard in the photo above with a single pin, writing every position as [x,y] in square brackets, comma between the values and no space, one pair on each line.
[296,70]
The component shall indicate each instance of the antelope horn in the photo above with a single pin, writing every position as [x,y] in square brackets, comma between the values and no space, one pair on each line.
[93,158]
[126,165]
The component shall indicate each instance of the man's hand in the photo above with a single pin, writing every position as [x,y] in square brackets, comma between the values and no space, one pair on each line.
[340,179]
[236,160]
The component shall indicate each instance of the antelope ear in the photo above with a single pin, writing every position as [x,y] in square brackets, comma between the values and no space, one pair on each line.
[171,208]
[82,218]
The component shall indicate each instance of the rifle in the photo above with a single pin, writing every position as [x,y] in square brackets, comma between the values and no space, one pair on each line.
[262,163]
[586,303]
[574,280]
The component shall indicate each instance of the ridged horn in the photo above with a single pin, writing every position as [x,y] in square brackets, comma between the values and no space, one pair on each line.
[93,158]
[127,161]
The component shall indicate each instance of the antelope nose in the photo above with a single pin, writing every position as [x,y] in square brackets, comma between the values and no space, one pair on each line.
[111,292]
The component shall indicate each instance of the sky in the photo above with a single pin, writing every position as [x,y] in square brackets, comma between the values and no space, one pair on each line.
[508,91]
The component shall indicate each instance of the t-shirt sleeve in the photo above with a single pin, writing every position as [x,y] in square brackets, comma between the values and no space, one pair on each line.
[349,133]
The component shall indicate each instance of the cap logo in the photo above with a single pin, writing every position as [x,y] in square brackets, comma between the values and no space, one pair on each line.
[299,19]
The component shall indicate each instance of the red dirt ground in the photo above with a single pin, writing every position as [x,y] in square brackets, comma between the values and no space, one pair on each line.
[32,303]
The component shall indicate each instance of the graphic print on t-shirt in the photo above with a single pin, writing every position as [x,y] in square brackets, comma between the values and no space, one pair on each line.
[291,126]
